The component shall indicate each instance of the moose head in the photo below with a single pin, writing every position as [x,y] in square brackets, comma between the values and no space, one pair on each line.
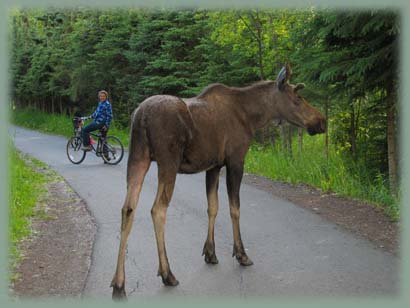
[293,108]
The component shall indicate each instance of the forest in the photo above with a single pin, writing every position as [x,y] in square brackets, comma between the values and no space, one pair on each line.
[348,60]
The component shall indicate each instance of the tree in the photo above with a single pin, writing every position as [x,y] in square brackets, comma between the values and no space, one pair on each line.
[61,59]
[353,57]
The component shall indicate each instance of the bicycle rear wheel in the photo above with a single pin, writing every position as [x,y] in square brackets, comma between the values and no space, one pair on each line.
[113,150]
[74,152]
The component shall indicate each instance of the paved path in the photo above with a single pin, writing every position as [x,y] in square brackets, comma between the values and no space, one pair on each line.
[295,252]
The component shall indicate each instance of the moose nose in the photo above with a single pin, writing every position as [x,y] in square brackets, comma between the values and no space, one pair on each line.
[317,128]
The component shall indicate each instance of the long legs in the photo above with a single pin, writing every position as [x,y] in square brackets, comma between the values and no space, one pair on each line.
[166,182]
[136,174]
[212,183]
[233,183]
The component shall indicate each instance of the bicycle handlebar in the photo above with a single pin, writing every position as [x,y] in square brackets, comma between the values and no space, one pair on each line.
[82,118]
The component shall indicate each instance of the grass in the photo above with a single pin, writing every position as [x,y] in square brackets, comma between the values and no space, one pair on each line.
[56,124]
[27,188]
[333,175]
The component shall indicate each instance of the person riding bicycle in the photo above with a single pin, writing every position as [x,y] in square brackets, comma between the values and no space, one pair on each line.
[102,119]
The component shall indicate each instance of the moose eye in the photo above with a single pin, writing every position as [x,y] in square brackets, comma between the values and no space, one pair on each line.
[298,100]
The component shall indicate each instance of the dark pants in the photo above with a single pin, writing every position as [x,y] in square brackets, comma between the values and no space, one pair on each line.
[86,132]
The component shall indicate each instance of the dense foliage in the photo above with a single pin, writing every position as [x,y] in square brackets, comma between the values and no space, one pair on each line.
[348,61]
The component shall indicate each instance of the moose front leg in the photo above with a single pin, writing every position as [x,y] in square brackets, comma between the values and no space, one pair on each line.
[212,183]
[233,183]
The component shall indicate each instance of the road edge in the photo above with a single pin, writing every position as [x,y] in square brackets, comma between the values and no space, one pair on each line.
[60,236]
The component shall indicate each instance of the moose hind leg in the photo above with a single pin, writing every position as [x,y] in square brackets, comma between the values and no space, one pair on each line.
[166,182]
[135,180]
[212,182]
[233,181]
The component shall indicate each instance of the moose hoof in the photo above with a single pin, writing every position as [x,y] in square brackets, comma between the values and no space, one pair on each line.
[244,260]
[118,293]
[169,279]
[211,259]
[209,253]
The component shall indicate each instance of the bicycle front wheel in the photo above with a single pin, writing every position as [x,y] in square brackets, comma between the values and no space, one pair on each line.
[74,152]
[113,150]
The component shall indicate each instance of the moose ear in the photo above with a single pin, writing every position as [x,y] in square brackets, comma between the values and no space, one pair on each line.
[283,76]
[281,79]
[299,86]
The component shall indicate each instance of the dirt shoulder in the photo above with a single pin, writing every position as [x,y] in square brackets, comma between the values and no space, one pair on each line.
[57,257]
[358,217]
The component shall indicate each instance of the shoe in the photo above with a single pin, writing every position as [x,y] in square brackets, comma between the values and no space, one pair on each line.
[86,148]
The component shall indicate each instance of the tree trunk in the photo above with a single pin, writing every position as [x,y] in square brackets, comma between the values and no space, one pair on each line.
[391,142]
[258,37]
[327,129]
[283,135]
[289,130]
[286,133]
[274,40]
[358,114]
[61,105]
[300,141]
[52,104]
[273,137]
[353,149]
[260,50]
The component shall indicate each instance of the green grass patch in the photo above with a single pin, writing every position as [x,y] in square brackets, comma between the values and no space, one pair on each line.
[337,174]
[57,124]
[27,187]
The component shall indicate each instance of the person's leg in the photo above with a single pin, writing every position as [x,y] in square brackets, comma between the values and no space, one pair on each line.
[86,132]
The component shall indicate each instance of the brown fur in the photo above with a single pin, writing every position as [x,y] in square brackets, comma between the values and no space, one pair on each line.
[203,133]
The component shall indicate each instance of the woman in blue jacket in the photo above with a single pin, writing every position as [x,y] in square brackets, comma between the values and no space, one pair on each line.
[102,119]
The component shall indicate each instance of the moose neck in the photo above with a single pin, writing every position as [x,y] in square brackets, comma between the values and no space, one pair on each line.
[257,102]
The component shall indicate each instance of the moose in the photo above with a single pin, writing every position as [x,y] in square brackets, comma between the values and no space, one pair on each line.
[203,133]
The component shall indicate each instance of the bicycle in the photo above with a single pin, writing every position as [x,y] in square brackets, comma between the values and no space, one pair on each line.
[109,148]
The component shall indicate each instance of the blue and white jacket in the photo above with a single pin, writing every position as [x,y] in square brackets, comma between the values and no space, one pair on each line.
[103,113]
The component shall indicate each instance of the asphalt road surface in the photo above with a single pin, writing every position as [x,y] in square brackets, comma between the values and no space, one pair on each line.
[295,252]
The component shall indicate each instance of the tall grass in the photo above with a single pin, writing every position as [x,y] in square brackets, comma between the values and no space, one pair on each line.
[56,124]
[337,174]
[26,189]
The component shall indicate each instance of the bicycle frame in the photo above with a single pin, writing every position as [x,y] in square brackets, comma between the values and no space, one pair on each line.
[100,144]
